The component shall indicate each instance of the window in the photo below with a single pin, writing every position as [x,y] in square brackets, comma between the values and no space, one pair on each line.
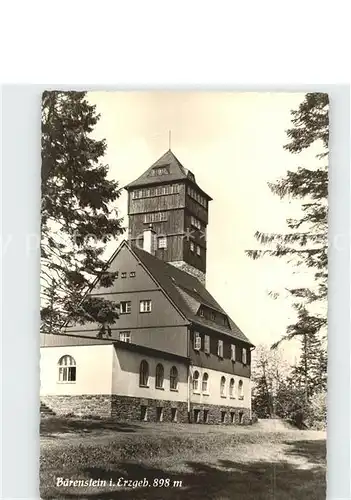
[67,369]
[231,388]
[198,250]
[201,313]
[213,316]
[174,414]
[197,341]
[205,416]
[241,389]
[244,356]
[144,374]
[220,349]
[192,246]
[159,413]
[132,274]
[159,376]
[155,217]
[223,387]
[173,379]
[125,337]
[232,417]
[223,416]
[207,344]
[162,242]
[195,222]
[196,416]
[205,383]
[145,306]
[232,352]
[123,275]
[125,307]
[143,413]
[196,381]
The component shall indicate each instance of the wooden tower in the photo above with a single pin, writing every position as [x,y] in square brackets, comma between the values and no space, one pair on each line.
[167,200]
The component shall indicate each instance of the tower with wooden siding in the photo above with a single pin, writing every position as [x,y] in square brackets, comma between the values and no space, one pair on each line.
[167,200]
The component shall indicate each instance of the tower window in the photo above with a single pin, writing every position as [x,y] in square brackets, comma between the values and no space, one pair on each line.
[232,352]
[244,358]
[198,250]
[132,274]
[123,275]
[162,242]
[195,222]
[155,217]
[192,246]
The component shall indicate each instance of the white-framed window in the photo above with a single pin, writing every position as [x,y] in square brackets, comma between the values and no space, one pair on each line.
[196,377]
[232,388]
[220,349]
[232,352]
[132,274]
[173,378]
[244,358]
[125,337]
[123,275]
[205,383]
[162,242]
[159,376]
[192,246]
[125,307]
[144,373]
[241,389]
[197,341]
[67,369]
[145,306]
[198,250]
[207,344]
[222,387]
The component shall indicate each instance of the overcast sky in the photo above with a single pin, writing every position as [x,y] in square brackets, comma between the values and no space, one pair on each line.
[233,143]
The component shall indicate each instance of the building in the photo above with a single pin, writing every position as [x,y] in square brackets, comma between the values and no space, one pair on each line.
[174,354]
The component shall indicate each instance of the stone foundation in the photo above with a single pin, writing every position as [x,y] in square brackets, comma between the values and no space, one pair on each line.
[129,409]
[96,405]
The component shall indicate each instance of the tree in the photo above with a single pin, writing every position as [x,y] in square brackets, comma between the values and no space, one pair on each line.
[78,217]
[269,373]
[305,244]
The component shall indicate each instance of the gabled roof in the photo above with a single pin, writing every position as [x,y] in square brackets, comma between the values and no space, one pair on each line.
[176,173]
[186,292]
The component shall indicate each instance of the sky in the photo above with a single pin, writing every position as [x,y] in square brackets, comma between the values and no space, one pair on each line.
[233,143]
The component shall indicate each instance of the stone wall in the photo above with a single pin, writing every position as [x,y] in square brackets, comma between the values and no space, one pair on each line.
[97,405]
[128,409]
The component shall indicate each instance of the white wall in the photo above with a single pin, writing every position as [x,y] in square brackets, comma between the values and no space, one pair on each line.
[125,378]
[94,370]
[214,396]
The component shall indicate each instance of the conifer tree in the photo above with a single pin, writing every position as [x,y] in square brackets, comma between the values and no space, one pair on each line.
[78,214]
[305,243]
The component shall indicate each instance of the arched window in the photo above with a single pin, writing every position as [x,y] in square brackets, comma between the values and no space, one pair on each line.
[205,382]
[231,388]
[241,389]
[144,373]
[67,369]
[223,386]
[173,378]
[196,381]
[159,376]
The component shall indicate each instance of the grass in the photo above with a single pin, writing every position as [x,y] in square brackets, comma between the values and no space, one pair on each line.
[200,462]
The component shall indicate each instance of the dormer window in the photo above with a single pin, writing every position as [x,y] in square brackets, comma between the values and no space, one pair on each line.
[160,171]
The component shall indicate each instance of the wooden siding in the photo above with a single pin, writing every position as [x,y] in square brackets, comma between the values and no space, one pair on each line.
[213,361]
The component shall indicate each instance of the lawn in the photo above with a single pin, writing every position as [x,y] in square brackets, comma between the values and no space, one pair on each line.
[265,461]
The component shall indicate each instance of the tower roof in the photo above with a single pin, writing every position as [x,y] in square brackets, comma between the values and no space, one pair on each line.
[173,171]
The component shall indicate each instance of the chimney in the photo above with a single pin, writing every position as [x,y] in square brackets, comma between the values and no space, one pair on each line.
[149,241]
